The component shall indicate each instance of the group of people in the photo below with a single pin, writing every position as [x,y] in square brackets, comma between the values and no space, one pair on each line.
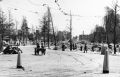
[84,48]
[74,46]
[38,48]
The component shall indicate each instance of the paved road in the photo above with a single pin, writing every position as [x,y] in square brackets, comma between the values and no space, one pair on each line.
[58,64]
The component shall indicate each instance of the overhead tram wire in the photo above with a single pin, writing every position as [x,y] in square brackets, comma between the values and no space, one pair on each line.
[19,8]
[56,1]
[14,2]
[41,5]
[34,3]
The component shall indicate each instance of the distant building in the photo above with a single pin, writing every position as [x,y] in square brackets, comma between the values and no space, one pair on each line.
[75,39]
[84,37]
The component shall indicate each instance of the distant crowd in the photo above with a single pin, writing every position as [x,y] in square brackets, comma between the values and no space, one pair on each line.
[91,47]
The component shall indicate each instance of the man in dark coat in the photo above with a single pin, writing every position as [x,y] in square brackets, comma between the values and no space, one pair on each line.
[37,49]
[85,48]
[63,47]
[70,47]
[81,48]
[92,48]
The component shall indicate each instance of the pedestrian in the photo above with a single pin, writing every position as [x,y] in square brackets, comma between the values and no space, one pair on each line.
[85,48]
[110,49]
[75,46]
[42,45]
[92,49]
[117,48]
[63,47]
[37,49]
[70,47]
[81,47]
[38,46]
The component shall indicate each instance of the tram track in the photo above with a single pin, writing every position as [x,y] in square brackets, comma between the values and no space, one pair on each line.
[90,59]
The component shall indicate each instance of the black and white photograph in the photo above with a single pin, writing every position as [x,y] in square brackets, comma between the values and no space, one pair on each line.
[59,38]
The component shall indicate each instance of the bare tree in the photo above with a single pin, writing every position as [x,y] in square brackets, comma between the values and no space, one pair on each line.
[10,22]
[25,29]
[112,20]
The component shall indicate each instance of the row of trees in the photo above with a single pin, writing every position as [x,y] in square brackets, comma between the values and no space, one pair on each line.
[9,32]
[106,32]
[110,31]
[48,32]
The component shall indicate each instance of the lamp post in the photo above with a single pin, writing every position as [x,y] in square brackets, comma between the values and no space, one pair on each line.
[70,32]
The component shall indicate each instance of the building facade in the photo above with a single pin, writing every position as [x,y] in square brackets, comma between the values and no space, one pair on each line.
[84,37]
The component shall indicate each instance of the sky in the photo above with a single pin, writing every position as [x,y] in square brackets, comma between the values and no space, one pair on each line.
[91,13]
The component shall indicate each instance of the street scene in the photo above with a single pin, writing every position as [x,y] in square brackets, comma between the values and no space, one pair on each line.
[58,64]
[59,38]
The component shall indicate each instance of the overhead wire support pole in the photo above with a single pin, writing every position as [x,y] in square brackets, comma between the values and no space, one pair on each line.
[48,24]
[107,38]
[9,27]
[70,31]
[115,30]
[44,31]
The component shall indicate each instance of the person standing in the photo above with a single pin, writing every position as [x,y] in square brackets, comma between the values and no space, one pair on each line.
[92,49]
[85,48]
[81,47]
[70,47]
[75,46]
[63,47]
[37,49]
[42,45]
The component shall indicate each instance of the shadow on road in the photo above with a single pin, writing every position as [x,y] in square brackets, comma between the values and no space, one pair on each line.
[37,55]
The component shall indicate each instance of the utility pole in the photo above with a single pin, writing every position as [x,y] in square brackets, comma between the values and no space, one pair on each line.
[114,41]
[36,34]
[107,33]
[44,30]
[70,31]
[9,27]
[48,24]
[16,30]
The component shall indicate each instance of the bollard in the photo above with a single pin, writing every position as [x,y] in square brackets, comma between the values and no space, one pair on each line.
[19,64]
[106,62]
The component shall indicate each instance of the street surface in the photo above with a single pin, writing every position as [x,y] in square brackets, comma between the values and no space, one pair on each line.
[57,63]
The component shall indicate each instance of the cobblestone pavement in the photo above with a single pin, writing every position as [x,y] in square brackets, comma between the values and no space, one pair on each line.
[58,64]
